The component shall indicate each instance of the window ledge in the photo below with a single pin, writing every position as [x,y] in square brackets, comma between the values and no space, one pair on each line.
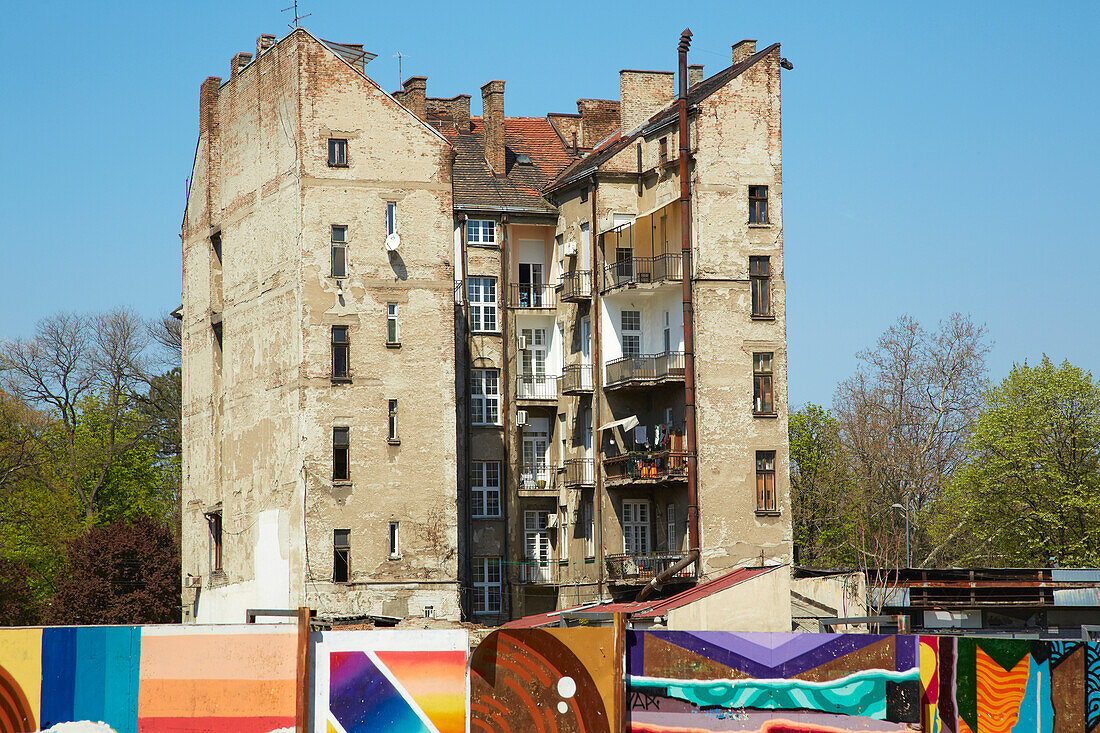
[485,333]
[337,165]
[393,344]
[767,513]
[769,225]
[486,425]
[341,380]
[341,482]
[393,557]
[590,560]
[766,415]
[488,517]
[492,245]
[394,441]
[763,318]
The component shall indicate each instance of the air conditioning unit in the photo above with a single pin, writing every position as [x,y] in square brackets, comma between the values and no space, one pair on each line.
[521,417]
[192,581]
[552,521]
[523,343]
[570,248]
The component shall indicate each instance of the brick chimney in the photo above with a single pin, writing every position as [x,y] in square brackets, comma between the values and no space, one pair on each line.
[264,42]
[414,96]
[599,118]
[208,105]
[642,94]
[695,74]
[743,49]
[238,62]
[456,107]
[210,129]
[492,116]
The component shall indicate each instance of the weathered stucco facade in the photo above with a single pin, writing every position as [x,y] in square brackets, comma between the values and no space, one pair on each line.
[539,459]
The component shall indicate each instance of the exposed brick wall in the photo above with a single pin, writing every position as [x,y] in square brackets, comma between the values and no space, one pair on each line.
[642,94]
[238,62]
[695,74]
[415,91]
[743,49]
[599,118]
[492,113]
[457,108]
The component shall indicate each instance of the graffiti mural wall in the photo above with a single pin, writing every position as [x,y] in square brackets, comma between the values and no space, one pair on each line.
[399,681]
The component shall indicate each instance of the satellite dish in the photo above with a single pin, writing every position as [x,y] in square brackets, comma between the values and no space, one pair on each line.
[393,241]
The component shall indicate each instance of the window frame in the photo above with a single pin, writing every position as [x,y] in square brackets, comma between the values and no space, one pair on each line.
[340,245]
[483,585]
[483,227]
[391,218]
[758,205]
[393,436]
[345,448]
[631,332]
[217,536]
[636,522]
[763,383]
[760,286]
[336,348]
[479,379]
[767,502]
[341,551]
[337,149]
[394,540]
[483,492]
[481,308]
[393,337]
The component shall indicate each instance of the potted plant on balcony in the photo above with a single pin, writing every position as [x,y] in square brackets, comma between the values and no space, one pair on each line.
[541,483]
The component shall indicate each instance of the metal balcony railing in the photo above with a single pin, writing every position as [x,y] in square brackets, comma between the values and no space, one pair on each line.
[535,477]
[580,472]
[533,296]
[537,572]
[576,379]
[665,367]
[536,387]
[643,568]
[576,286]
[659,466]
[634,270]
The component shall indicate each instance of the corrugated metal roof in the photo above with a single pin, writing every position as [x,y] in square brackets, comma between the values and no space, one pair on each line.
[1075,575]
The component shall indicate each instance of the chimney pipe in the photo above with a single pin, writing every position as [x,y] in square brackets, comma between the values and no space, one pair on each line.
[695,74]
[238,62]
[492,117]
[264,42]
[743,49]
[694,553]
[415,95]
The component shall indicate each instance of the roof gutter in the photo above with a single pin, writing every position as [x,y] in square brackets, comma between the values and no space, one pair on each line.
[689,335]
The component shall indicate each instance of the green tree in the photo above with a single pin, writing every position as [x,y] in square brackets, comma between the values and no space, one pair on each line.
[821,523]
[1030,490]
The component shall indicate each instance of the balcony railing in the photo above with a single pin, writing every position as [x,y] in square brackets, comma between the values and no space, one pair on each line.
[634,270]
[666,367]
[535,477]
[643,568]
[533,296]
[580,472]
[576,379]
[656,467]
[536,387]
[576,286]
[538,572]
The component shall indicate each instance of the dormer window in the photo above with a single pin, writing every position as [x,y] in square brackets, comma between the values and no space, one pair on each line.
[523,159]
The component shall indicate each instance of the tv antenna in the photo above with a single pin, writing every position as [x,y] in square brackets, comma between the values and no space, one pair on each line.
[297,17]
[400,76]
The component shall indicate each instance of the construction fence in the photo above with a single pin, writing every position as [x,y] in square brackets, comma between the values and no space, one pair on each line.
[261,678]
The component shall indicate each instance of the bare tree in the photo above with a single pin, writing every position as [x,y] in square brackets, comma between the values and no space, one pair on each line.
[74,358]
[904,419]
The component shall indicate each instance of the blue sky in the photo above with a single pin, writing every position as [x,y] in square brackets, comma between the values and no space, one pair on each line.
[938,156]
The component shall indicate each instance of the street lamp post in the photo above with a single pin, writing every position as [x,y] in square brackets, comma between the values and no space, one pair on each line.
[908,555]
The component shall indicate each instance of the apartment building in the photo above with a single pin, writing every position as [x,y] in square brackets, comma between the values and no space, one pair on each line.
[505,414]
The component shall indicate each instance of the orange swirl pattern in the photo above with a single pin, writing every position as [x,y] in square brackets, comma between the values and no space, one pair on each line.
[1000,693]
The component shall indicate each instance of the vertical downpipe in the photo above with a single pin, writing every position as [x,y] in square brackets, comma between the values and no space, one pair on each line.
[597,385]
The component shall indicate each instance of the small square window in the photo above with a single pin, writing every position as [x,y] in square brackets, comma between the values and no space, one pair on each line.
[337,152]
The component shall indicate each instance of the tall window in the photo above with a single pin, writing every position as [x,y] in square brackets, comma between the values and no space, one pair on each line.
[392,437]
[214,519]
[340,449]
[341,555]
[762,400]
[341,353]
[391,217]
[481,232]
[668,332]
[486,585]
[216,245]
[758,204]
[589,529]
[339,238]
[485,488]
[760,280]
[632,333]
[337,152]
[765,481]
[395,546]
[662,146]
[391,323]
[485,396]
[670,528]
[536,546]
[635,527]
[482,294]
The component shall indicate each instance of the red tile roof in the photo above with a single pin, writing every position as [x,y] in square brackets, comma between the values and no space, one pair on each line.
[647,609]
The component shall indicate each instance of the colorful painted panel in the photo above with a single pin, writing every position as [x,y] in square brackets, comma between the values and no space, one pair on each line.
[20,679]
[236,679]
[543,680]
[717,681]
[401,681]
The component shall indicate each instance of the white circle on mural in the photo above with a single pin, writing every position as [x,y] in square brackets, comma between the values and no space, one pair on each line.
[562,707]
[567,687]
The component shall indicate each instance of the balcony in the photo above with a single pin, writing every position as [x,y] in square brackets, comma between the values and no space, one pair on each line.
[630,272]
[660,467]
[536,388]
[577,379]
[533,296]
[645,369]
[576,286]
[643,568]
[538,572]
[580,472]
[535,477]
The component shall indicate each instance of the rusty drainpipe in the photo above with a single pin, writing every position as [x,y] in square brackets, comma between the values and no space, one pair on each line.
[689,335]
